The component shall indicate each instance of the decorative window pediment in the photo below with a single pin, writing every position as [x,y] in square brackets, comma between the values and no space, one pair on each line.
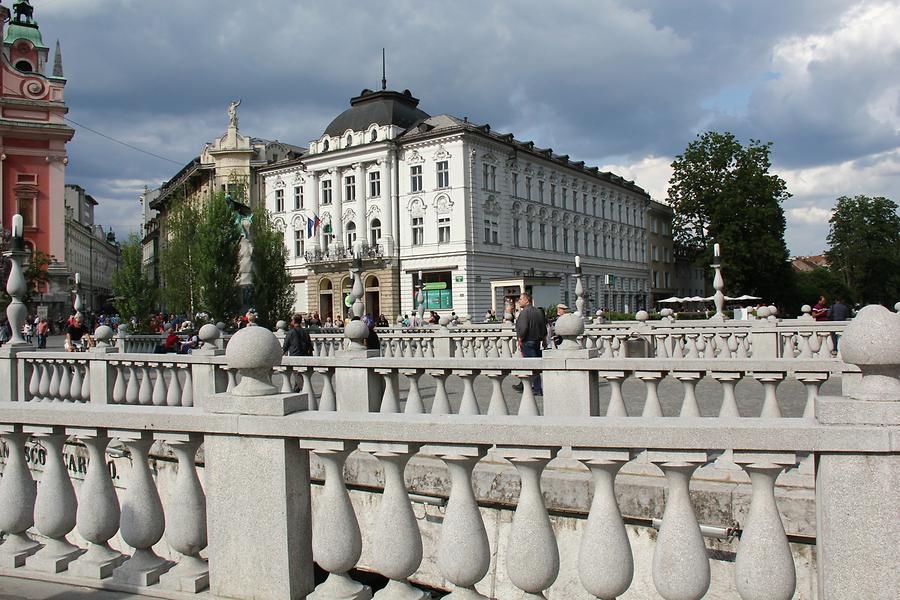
[348,215]
[414,158]
[279,183]
[489,157]
[443,204]
[442,153]
[416,207]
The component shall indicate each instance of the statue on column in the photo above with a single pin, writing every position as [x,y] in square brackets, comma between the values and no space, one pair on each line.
[243,219]
[232,112]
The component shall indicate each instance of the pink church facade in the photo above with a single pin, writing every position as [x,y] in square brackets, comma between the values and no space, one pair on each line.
[33,137]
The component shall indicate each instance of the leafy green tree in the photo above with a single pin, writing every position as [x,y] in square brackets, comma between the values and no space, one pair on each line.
[864,247]
[218,242]
[722,191]
[135,294]
[178,260]
[820,282]
[273,291]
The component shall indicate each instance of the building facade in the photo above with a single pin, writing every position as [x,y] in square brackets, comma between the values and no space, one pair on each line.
[661,251]
[33,137]
[439,202]
[90,251]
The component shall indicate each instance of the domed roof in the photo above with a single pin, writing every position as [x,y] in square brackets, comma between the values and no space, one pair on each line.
[383,107]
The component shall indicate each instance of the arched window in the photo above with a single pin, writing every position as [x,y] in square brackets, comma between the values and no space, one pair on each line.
[375,232]
[374,136]
[325,146]
[351,234]
[24,66]
[349,140]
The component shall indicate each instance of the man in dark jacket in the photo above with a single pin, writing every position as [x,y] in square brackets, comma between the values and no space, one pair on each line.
[297,341]
[531,329]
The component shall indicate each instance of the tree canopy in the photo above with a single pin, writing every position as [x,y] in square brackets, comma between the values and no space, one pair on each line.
[218,241]
[273,291]
[722,192]
[135,294]
[864,247]
[178,261]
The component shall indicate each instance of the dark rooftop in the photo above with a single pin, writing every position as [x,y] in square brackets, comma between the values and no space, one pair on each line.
[382,107]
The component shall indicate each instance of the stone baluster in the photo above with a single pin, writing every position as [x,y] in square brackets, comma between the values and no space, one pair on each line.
[463,553]
[232,379]
[390,399]
[306,373]
[662,345]
[46,376]
[55,379]
[812,382]
[680,562]
[55,506]
[98,512]
[286,386]
[651,379]
[616,402]
[77,383]
[764,566]
[174,392]
[131,390]
[143,521]
[145,389]
[336,538]
[815,344]
[65,382]
[469,403]
[787,346]
[86,384]
[498,404]
[118,395]
[605,563]
[805,344]
[770,409]
[711,348]
[701,346]
[34,382]
[17,500]
[327,400]
[532,555]
[186,518]
[160,389]
[677,345]
[441,404]
[396,541]
[729,408]
[527,405]
[414,404]
[689,407]
[187,392]
[692,350]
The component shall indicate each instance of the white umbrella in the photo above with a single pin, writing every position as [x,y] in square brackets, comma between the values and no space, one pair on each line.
[747,297]
[695,299]
[671,300]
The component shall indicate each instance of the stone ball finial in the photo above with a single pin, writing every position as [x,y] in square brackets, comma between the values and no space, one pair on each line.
[897,307]
[569,327]
[762,312]
[209,333]
[253,351]
[281,325]
[806,309]
[870,342]
[122,329]
[773,310]
[357,332]
[103,335]
[444,321]
[642,316]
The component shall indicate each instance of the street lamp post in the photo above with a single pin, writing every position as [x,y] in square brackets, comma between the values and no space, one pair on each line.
[719,285]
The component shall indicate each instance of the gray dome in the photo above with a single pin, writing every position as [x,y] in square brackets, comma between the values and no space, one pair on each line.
[383,108]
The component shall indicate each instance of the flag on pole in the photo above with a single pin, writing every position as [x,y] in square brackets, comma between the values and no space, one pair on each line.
[310,224]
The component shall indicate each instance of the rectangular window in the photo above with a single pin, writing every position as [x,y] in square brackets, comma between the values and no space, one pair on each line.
[375,184]
[418,229]
[326,191]
[666,277]
[298,243]
[528,187]
[654,252]
[487,231]
[530,232]
[515,185]
[552,194]
[298,197]
[350,188]
[444,229]
[486,175]
[279,200]
[493,177]
[443,174]
[495,232]
[584,203]
[543,235]
[653,227]
[516,240]
[540,191]
[27,207]
[575,236]
[565,239]
[492,232]
[415,178]
[565,193]
[554,232]
[667,254]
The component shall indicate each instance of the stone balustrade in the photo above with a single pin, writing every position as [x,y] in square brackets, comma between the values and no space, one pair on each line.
[253,433]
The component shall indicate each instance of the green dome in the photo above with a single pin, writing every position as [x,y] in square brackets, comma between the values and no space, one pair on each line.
[19,31]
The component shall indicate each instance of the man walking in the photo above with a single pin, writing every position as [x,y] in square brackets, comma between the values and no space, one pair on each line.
[531,330]
[297,343]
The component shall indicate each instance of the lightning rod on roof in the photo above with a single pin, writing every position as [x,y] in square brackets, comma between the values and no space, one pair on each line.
[383,77]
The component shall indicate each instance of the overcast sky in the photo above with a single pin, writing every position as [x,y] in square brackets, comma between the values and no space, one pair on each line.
[621,84]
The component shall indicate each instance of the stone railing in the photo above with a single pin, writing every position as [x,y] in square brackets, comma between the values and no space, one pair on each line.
[255,435]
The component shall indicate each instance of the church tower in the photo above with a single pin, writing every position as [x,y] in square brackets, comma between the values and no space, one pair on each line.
[33,137]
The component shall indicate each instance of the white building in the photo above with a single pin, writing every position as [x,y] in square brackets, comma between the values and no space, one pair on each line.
[457,202]
[90,250]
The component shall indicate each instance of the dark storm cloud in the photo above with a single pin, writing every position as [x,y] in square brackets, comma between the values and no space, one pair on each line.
[607,81]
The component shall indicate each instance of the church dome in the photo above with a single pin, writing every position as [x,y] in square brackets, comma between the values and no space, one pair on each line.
[383,108]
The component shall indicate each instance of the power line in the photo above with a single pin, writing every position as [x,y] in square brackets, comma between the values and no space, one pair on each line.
[126,144]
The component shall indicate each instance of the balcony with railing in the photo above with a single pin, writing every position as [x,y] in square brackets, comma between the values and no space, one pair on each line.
[339,254]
